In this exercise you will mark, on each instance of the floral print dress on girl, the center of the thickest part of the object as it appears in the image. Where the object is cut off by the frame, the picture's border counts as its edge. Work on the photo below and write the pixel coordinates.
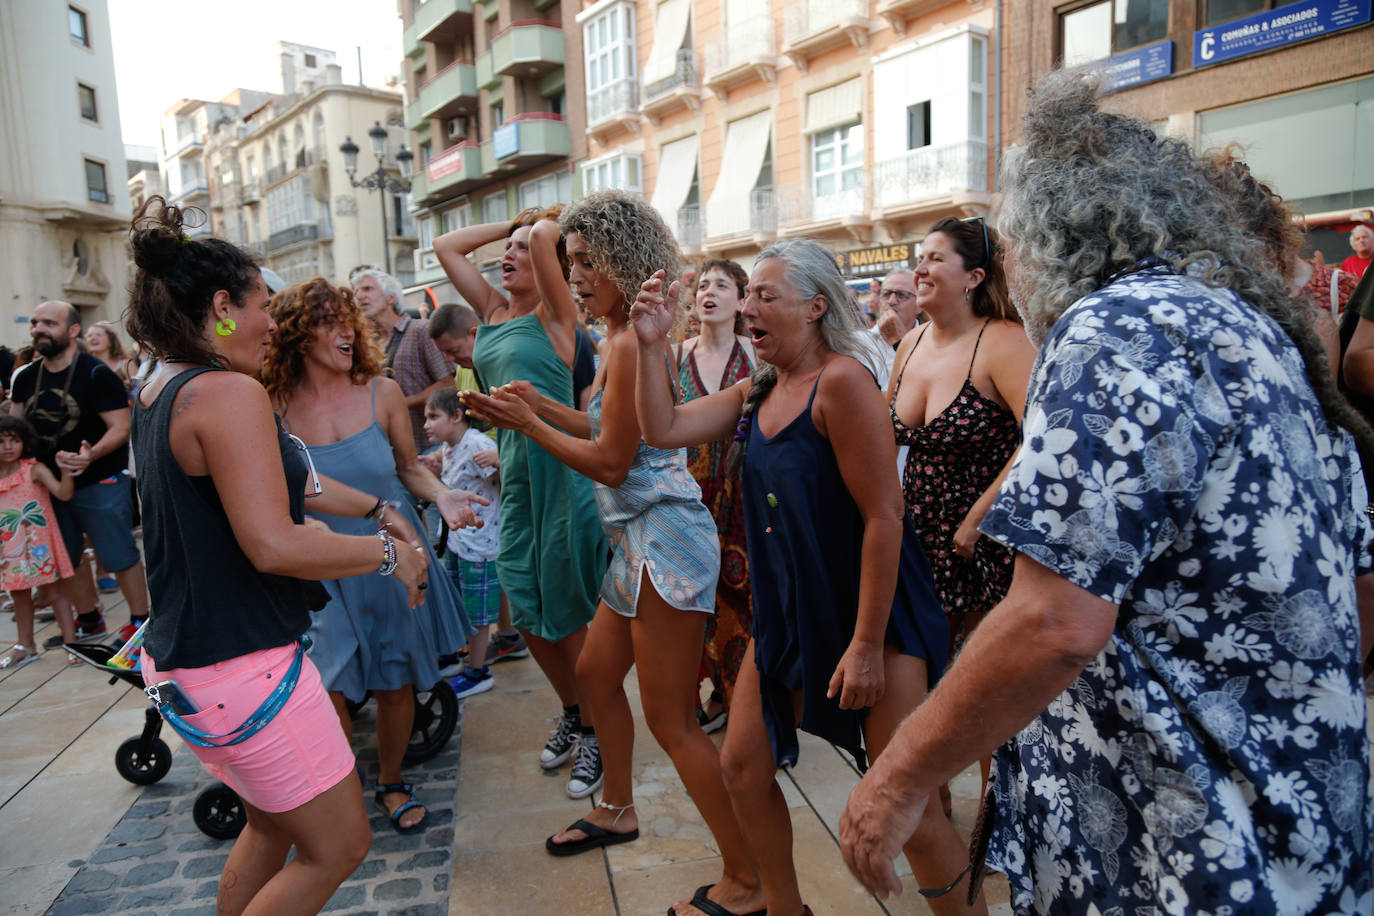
(30, 543)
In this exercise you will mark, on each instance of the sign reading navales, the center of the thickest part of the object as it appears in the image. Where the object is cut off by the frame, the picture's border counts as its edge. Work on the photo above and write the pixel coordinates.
(875, 261)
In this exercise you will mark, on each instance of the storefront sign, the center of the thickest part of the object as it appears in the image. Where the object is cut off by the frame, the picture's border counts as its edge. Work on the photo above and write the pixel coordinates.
(446, 163)
(1276, 28)
(1141, 65)
(875, 261)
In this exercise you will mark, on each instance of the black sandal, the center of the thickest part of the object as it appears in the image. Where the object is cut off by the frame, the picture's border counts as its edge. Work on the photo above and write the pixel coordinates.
(711, 908)
(395, 816)
(596, 837)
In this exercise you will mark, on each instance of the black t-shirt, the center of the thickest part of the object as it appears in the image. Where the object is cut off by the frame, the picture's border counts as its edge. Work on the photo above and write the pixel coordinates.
(69, 421)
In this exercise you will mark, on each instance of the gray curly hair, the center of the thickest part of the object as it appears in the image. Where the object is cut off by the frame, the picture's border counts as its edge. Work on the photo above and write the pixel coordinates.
(1092, 193)
(626, 239)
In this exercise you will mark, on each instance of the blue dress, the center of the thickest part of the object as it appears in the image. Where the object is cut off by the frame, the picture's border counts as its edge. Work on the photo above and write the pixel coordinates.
(366, 637)
(655, 520)
(805, 536)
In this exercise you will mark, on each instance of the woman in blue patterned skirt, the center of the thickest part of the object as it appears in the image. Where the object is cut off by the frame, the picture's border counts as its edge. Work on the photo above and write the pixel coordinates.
(660, 587)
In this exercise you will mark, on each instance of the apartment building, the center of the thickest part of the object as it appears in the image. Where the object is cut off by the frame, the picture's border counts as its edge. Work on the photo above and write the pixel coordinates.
(495, 118)
(64, 206)
(855, 122)
(1292, 83)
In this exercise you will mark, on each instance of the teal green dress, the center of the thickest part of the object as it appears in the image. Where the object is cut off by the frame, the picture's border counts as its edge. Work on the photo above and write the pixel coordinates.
(553, 553)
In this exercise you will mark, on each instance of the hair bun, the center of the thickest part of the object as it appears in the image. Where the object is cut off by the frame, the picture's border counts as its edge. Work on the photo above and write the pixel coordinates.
(156, 236)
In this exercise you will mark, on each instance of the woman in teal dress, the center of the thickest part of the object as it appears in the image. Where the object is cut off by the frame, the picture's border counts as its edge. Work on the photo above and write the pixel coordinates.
(552, 551)
(321, 371)
(660, 588)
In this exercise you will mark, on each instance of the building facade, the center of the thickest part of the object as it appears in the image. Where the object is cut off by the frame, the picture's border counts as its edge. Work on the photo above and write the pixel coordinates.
(496, 118)
(64, 205)
(855, 122)
(1292, 84)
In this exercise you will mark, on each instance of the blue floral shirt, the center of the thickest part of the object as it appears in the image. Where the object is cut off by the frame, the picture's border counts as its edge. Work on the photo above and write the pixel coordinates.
(1213, 757)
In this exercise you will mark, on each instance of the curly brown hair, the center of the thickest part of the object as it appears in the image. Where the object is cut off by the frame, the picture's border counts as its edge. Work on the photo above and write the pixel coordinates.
(298, 310)
(626, 238)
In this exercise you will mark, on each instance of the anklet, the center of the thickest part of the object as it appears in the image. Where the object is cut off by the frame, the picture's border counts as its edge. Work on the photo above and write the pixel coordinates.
(618, 809)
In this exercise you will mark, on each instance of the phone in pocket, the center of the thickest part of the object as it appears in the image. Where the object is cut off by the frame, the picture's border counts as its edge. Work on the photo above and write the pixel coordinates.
(171, 693)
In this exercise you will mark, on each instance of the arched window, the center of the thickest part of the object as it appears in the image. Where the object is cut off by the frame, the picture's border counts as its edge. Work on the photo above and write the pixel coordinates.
(300, 145)
(317, 129)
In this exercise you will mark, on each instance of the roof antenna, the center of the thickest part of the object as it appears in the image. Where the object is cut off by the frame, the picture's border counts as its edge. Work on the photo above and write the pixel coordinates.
(360, 64)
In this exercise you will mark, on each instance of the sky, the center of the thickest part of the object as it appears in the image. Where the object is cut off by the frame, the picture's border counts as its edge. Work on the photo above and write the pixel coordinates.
(166, 50)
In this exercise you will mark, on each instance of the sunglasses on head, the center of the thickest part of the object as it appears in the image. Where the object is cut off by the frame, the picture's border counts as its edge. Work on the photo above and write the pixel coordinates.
(987, 245)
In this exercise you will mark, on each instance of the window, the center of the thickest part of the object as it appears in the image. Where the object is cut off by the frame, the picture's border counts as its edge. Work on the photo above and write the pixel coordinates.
(494, 208)
(498, 115)
(459, 217)
(918, 125)
(1219, 11)
(95, 182)
(977, 89)
(546, 191)
(424, 228)
(76, 24)
(612, 172)
(609, 42)
(426, 153)
(310, 60)
(291, 204)
(557, 103)
(86, 98)
(837, 166)
(1101, 29)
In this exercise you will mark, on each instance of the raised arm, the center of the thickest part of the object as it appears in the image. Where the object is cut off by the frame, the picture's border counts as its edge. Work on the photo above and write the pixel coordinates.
(857, 424)
(452, 250)
(560, 308)
(664, 423)
(607, 458)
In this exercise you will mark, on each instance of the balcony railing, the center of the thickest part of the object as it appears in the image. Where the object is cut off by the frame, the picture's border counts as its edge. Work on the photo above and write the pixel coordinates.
(198, 189)
(429, 16)
(932, 171)
(745, 52)
(800, 205)
(811, 29)
(298, 233)
(190, 143)
(763, 211)
(689, 226)
(451, 91)
(685, 75)
(527, 47)
(617, 99)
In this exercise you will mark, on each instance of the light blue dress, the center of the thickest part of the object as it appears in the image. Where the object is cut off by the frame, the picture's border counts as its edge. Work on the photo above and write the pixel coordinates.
(655, 520)
(366, 637)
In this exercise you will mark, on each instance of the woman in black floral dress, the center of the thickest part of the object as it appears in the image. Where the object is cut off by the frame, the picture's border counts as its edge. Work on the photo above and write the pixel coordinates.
(958, 406)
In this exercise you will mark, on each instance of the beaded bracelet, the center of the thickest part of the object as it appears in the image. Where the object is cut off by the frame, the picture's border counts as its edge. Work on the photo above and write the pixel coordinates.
(388, 553)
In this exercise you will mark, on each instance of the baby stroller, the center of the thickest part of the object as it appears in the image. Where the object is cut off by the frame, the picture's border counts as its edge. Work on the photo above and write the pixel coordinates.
(218, 812)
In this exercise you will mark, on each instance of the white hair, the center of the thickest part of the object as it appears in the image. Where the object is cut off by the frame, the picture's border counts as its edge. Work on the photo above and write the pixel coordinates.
(388, 284)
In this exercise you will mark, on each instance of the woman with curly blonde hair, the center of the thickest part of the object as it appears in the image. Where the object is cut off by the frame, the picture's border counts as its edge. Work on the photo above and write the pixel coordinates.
(322, 373)
(660, 588)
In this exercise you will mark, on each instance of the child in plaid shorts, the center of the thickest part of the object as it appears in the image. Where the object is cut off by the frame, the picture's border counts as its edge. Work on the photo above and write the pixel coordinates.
(469, 458)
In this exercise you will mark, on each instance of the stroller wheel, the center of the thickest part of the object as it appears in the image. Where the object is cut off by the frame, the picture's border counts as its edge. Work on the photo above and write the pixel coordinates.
(219, 813)
(143, 767)
(436, 716)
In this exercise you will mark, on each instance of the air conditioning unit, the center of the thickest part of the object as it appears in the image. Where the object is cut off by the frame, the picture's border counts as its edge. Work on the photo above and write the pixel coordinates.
(457, 127)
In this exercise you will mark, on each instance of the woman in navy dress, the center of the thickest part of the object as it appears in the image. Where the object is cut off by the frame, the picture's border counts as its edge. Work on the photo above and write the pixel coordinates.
(847, 635)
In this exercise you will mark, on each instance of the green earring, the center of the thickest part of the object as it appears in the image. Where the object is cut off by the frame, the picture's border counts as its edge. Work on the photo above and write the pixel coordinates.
(225, 327)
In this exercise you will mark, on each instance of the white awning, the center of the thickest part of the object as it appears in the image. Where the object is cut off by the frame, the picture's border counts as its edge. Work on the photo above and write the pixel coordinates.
(746, 142)
(835, 106)
(677, 164)
(670, 30)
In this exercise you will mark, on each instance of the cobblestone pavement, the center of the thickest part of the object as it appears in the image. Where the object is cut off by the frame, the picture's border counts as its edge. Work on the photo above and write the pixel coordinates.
(155, 862)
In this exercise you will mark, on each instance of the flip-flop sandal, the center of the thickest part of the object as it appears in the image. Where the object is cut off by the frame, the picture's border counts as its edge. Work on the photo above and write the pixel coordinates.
(595, 838)
(395, 816)
(711, 908)
(18, 657)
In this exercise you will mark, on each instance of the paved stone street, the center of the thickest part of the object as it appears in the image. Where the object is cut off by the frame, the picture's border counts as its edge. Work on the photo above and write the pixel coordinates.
(156, 862)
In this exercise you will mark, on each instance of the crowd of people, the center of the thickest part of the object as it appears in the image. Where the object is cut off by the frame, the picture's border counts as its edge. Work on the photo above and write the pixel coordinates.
(1085, 504)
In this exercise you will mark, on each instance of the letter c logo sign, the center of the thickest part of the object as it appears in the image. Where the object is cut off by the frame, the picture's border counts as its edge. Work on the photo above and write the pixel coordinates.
(1207, 49)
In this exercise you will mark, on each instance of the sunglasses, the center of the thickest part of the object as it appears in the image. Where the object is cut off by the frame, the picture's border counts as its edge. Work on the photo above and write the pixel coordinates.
(987, 245)
(315, 488)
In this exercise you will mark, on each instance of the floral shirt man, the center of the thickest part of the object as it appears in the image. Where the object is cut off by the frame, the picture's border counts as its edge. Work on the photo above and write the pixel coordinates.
(1213, 757)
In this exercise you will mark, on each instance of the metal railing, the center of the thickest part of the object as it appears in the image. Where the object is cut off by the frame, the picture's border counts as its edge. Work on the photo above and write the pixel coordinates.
(742, 43)
(763, 210)
(799, 203)
(297, 233)
(685, 74)
(619, 97)
(801, 20)
(932, 171)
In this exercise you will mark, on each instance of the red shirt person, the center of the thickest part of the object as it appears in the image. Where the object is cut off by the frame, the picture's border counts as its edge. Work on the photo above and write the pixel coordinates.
(1362, 241)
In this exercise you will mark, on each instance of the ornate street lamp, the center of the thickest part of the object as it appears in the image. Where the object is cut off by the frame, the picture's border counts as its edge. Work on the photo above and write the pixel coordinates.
(380, 179)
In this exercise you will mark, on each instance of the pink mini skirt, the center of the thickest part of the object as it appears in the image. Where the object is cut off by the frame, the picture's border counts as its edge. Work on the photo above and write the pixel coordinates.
(301, 753)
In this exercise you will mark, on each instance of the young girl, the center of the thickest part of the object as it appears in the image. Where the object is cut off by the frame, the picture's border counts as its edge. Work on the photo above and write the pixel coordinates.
(31, 551)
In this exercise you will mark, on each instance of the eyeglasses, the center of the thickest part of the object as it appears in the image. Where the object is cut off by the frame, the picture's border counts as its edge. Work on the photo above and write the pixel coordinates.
(987, 245)
(315, 488)
(900, 295)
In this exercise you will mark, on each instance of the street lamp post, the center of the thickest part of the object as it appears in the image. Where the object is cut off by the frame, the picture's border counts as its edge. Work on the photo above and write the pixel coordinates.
(380, 179)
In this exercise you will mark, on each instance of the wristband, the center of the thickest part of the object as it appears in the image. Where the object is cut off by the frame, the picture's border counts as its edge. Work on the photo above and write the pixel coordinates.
(388, 553)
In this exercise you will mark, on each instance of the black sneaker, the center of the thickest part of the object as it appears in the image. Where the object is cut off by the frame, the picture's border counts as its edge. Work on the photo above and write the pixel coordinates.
(503, 648)
(585, 776)
(84, 633)
(562, 741)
